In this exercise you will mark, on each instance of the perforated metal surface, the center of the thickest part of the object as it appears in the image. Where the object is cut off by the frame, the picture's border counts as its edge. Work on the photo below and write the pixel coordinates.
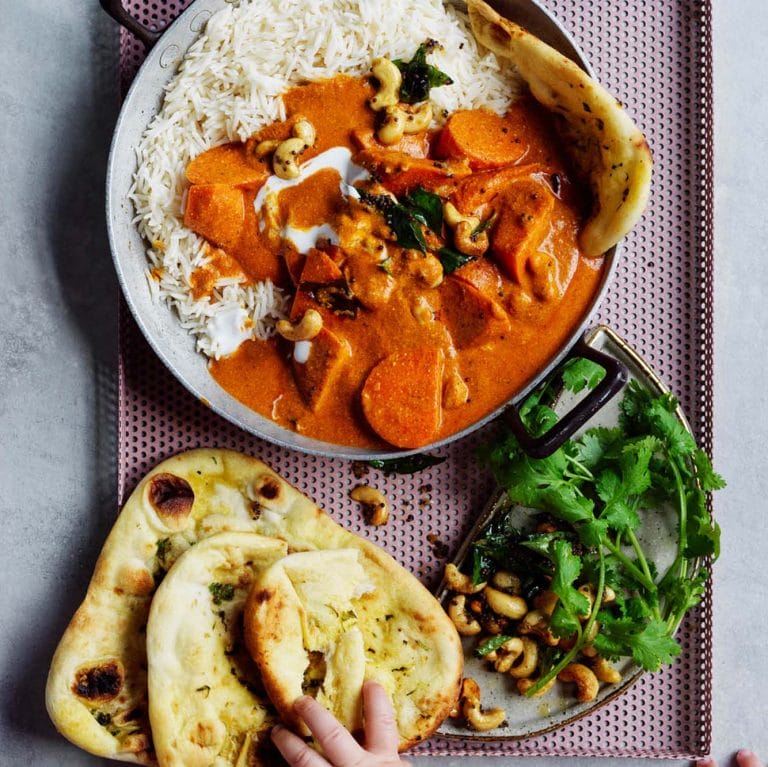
(657, 59)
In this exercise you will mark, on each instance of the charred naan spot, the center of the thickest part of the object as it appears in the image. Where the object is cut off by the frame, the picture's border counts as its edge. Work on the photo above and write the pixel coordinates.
(256, 509)
(171, 496)
(261, 596)
(99, 683)
(269, 488)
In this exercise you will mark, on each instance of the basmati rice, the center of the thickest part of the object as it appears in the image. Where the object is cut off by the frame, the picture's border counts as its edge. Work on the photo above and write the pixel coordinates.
(229, 86)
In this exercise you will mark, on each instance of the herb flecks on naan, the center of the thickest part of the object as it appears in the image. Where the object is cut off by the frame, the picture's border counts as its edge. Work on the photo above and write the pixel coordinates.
(608, 148)
(206, 701)
(97, 686)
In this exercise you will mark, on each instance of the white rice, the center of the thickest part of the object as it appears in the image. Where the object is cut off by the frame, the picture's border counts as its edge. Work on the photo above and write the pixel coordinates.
(229, 86)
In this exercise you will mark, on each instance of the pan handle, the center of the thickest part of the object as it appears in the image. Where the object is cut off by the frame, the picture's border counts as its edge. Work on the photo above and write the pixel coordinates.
(616, 376)
(115, 9)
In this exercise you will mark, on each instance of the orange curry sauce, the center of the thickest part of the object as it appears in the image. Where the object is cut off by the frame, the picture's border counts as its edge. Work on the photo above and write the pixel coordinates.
(425, 354)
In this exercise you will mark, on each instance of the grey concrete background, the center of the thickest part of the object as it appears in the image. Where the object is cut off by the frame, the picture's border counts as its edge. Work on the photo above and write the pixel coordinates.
(58, 103)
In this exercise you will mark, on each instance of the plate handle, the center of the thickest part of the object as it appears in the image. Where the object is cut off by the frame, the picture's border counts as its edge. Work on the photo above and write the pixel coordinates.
(616, 376)
(147, 36)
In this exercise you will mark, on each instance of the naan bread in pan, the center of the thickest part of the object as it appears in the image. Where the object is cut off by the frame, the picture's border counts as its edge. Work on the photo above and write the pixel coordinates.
(605, 145)
(97, 685)
(206, 702)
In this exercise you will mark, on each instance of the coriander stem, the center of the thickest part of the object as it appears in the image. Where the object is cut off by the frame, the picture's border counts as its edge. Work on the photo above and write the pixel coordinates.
(633, 570)
(583, 634)
(682, 535)
(644, 565)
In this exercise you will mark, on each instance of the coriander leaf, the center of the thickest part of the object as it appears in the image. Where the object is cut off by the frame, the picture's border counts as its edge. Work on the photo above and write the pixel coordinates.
(491, 644)
(563, 623)
(452, 259)
(634, 461)
(668, 427)
(567, 569)
(702, 533)
(592, 447)
(681, 595)
(580, 373)
(653, 646)
(706, 475)
(427, 206)
(419, 76)
(593, 533)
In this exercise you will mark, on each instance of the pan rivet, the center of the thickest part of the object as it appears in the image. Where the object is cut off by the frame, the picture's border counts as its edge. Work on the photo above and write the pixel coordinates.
(169, 56)
(199, 21)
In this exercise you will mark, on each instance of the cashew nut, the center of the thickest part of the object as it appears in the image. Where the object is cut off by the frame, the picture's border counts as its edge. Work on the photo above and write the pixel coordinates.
(604, 671)
(535, 622)
(529, 660)
(465, 625)
(546, 601)
(470, 706)
(458, 581)
(398, 121)
(285, 161)
(505, 604)
(390, 80)
(304, 130)
(586, 682)
(506, 581)
(455, 391)
(504, 656)
(263, 148)
(374, 502)
(523, 685)
(392, 127)
(304, 330)
(465, 235)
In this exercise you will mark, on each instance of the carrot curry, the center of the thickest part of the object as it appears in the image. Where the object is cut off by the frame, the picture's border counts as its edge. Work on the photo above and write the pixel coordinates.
(433, 273)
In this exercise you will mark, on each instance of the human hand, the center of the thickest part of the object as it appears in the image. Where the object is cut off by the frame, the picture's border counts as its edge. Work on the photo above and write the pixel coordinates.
(743, 758)
(341, 749)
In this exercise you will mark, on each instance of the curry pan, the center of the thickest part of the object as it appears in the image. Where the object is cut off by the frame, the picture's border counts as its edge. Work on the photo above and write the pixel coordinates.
(176, 348)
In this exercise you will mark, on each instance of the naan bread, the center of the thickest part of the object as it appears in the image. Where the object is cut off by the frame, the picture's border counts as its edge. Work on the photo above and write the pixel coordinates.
(606, 146)
(323, 621)
(206, 702)
(97, 686)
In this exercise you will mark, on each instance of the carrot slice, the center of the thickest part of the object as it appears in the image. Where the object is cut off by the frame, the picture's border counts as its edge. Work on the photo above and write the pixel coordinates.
(227, 164)
(413, 144)
(483, 187)
(216, 212)
(320, 268)
(402, 397)
(472, 319)
(523, 223)
(326, 359)
(400, 173)
(481, 136)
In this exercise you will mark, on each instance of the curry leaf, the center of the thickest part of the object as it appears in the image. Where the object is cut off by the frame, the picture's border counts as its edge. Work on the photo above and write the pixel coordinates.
(419, 76)
(427, 207)
(452, 259)
(408, 465)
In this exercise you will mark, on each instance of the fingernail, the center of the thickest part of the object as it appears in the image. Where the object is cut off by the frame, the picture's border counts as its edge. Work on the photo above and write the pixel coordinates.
(746, 753)
(276, 730)
(301, 702)
(707, 761)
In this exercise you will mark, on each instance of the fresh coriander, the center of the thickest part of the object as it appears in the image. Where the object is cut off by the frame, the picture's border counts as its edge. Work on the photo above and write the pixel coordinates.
(408, 465)
(598, 487)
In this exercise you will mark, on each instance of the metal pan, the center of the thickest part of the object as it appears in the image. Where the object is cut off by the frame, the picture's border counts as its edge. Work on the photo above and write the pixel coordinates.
(175, 347)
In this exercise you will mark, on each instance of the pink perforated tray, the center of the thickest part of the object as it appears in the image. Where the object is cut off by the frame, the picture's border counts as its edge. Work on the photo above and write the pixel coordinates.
(656, 57)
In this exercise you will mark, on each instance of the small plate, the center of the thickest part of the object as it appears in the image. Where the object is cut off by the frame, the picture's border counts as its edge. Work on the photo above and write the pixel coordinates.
(529, 717)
